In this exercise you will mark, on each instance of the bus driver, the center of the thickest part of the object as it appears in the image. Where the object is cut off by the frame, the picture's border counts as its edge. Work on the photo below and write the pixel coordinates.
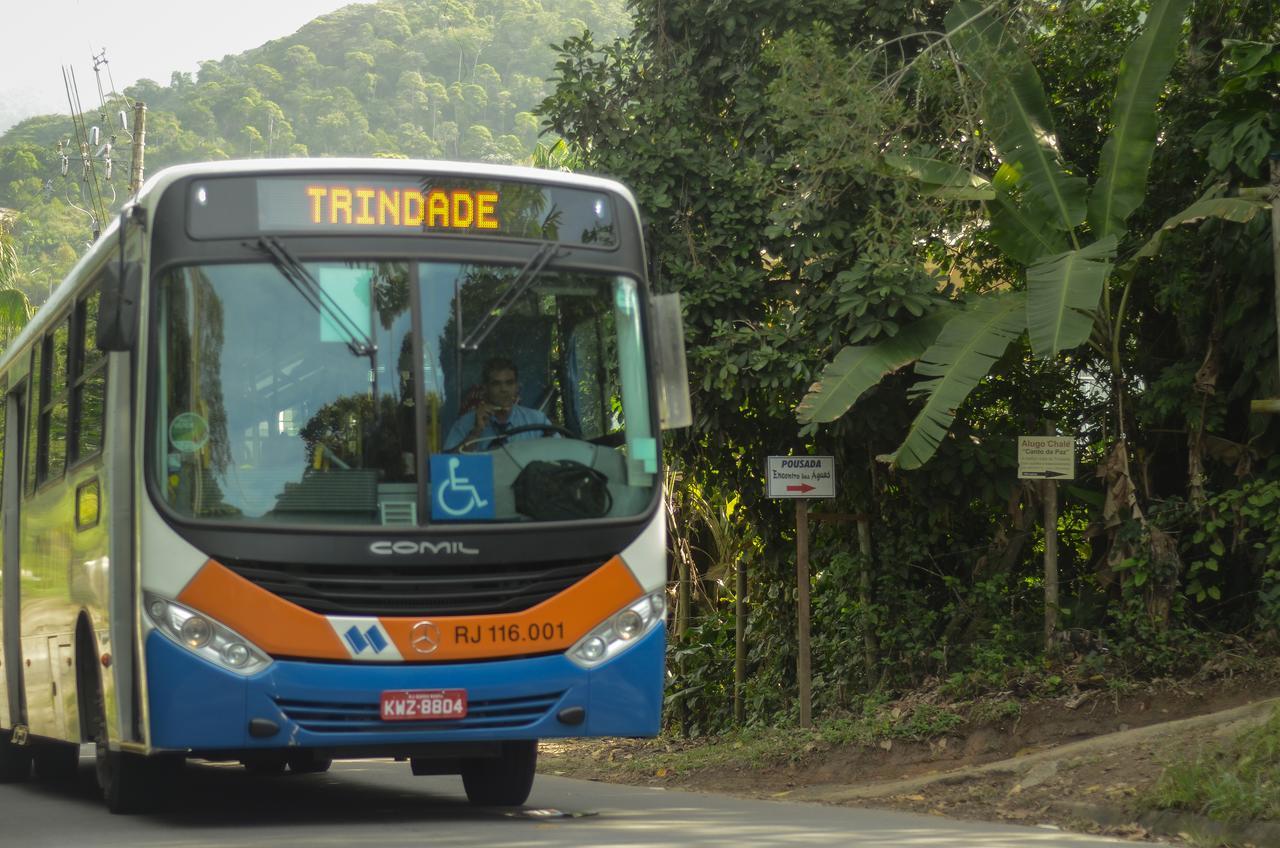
(484, 427)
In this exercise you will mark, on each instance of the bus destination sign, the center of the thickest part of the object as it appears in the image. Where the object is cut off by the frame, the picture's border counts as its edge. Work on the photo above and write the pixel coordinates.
(436, 209)
(378, 204)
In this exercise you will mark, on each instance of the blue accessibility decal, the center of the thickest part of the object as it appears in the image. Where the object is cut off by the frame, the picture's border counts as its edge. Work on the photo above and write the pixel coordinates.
(461, 486)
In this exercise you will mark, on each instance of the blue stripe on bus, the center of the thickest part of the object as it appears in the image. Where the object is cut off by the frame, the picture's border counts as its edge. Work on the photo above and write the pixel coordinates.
(196, 705)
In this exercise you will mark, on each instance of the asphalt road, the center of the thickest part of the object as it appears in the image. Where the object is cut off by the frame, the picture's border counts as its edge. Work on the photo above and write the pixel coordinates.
(380, 804)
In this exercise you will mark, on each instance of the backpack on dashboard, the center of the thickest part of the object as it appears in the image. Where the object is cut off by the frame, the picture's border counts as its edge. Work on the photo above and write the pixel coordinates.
(561, 491)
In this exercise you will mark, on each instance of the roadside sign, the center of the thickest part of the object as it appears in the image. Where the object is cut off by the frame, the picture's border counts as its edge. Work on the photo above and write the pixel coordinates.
(1047, 457)
(800, 477)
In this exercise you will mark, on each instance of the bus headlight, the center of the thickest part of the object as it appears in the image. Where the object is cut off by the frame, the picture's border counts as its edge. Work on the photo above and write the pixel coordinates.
(203, 636)
(620, 630)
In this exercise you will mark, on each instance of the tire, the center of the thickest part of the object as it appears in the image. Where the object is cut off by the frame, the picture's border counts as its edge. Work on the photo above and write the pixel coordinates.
(308, 762)
(56, 761)
(503, 781)
(266, 764)
(128, 781)
(15, 762)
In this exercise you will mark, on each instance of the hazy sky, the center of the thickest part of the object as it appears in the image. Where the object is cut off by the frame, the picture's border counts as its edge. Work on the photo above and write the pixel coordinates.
(143, 38)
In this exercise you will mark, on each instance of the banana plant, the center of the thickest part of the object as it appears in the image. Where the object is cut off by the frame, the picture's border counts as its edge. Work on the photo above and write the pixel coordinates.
(1063, 234)
(15, 308)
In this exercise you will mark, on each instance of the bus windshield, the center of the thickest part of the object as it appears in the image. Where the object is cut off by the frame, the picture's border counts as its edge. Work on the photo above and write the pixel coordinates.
(356, 393)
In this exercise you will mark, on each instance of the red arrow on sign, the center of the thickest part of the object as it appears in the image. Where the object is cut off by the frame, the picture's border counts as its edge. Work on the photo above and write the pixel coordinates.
(802, 488)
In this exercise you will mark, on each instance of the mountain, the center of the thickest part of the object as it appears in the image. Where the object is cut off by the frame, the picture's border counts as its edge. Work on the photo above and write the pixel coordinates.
(452, 79)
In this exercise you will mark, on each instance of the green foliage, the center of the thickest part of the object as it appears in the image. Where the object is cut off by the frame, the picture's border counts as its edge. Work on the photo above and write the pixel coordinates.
(15, 308)
(1016, 113)
(856, 369)
(1062, 290)
(966, 349)
(1032, 195)
(811, 192)
(1246, 125)
(1235, 783)
(1126, 157)
(1239, 544)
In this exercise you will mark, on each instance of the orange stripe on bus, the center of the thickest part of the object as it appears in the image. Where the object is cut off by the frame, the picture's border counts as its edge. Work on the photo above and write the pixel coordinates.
(282, 628)
(551, 626)
(273, 624)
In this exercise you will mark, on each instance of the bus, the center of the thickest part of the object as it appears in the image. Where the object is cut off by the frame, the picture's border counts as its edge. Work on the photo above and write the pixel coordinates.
(317, 459)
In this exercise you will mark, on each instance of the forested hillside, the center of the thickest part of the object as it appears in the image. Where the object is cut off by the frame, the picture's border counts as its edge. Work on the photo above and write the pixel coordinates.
(418, 78)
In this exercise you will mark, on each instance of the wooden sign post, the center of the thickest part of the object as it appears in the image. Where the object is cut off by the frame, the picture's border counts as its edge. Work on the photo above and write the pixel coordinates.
(802, 478)
(1048, 458)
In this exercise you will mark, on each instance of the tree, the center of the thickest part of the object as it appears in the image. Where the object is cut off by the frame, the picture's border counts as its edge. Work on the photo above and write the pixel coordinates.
(1041, 215)
(15, 309)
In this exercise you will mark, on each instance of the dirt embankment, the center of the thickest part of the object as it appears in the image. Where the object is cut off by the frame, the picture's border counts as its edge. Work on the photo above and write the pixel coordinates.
(1082, 761)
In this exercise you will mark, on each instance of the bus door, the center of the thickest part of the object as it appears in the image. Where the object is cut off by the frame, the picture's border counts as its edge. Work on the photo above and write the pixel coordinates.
(11, 498)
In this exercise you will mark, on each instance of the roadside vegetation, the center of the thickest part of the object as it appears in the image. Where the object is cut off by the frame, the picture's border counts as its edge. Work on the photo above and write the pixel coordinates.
(883, 261)
(1236, 783)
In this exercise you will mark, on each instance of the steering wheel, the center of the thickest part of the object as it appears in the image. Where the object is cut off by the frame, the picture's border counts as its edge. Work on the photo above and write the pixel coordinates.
(524, 428)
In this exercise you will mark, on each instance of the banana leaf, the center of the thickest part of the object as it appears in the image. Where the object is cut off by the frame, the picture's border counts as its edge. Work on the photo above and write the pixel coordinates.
(1021, 237)
(857, 368)
(1239, 210)
(1015, 111)
(1061, 291)
(1126, 156)
(15, 312)
(967, 347)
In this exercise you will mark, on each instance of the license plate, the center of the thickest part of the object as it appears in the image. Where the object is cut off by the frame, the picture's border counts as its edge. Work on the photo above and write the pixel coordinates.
(424, 704)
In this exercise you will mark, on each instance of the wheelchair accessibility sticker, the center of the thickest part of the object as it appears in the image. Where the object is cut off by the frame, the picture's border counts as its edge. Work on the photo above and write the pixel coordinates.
(461, 486)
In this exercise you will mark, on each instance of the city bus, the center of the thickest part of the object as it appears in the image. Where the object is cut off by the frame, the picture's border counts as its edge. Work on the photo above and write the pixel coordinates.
(317, 459)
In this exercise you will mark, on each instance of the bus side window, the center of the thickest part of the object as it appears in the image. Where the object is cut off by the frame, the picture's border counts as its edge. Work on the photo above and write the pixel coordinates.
(88, 382)
(33, 416)
(53, 414)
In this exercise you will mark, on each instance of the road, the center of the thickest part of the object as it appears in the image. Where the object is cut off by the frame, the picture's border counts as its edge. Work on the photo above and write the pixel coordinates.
(380, 804)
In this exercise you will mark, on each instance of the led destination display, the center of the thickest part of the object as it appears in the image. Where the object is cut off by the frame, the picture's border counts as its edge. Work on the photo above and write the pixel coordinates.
(357, 204)
(361, 206)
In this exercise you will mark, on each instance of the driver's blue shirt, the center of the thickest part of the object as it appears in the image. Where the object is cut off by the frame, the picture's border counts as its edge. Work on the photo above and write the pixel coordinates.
(521, 416)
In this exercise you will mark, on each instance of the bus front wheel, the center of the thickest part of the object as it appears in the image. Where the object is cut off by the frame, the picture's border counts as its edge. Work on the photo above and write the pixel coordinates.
(502, 781)
(308, 761)
(130, 783)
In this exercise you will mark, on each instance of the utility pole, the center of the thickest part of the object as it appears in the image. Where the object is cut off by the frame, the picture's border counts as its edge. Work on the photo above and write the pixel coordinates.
(139, 147)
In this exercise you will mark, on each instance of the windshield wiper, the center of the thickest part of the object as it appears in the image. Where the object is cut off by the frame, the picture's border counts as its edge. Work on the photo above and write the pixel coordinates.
(518, 286)
(358, 341)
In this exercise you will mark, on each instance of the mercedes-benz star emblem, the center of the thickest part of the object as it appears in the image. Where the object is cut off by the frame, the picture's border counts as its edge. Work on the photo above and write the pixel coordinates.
(425, 637)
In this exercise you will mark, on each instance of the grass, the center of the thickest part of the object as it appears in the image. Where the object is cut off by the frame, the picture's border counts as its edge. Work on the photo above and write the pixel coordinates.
(759, 747)
(1238, 783)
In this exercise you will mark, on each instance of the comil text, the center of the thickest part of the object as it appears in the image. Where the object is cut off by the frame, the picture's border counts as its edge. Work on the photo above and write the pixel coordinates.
(456, 209)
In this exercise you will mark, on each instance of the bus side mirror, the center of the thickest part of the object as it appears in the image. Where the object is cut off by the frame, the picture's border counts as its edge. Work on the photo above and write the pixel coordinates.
(674, 409)
(118, 306)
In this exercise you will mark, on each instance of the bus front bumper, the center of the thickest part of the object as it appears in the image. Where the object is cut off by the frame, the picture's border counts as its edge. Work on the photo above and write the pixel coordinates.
(196, 706)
